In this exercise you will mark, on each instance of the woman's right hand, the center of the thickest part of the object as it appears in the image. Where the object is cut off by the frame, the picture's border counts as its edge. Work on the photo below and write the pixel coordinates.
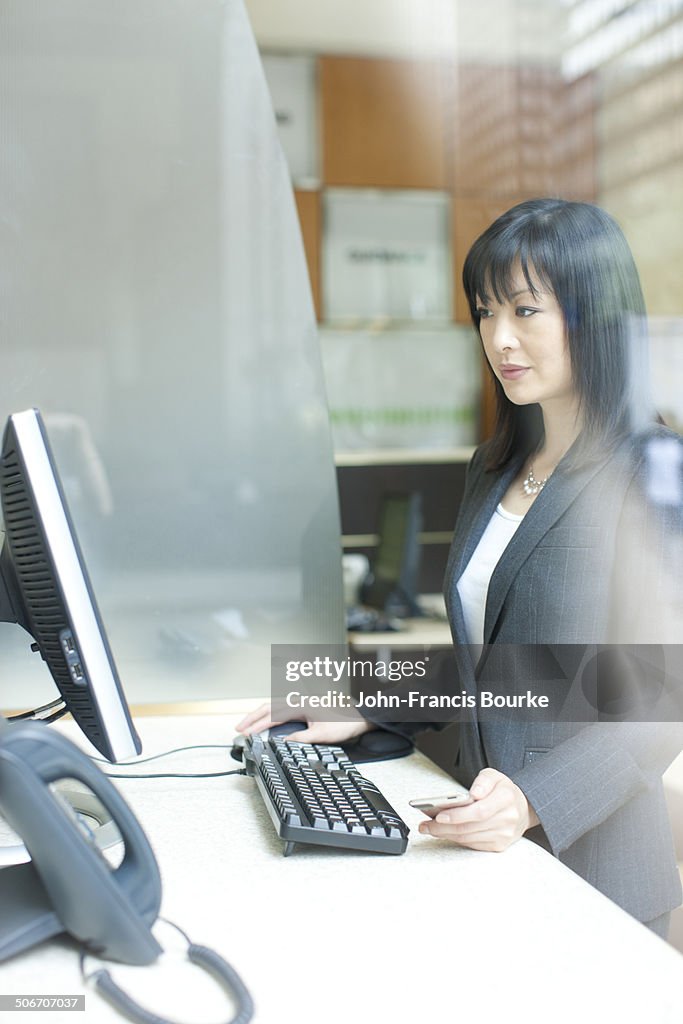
(316, 732)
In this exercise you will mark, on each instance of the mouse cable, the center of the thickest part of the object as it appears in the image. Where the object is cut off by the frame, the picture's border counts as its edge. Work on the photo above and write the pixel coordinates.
(167, 753)
(176, 775)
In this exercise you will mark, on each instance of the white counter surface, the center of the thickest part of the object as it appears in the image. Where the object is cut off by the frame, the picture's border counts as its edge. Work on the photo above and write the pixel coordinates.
(437, 934)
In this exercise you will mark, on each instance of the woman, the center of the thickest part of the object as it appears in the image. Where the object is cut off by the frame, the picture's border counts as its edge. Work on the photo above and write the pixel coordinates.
(560, 545)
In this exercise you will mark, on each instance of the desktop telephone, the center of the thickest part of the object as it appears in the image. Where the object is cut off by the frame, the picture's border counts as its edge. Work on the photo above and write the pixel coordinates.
(69, 886)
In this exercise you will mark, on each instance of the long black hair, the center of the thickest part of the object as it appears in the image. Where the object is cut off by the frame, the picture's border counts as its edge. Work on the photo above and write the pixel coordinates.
(579, 253)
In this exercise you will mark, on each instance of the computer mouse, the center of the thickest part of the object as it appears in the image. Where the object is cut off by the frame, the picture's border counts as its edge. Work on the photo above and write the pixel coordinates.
(287, 728)
(237, 750)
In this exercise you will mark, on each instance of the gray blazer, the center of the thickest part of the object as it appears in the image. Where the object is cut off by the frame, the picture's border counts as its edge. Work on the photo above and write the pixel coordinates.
(591, 563)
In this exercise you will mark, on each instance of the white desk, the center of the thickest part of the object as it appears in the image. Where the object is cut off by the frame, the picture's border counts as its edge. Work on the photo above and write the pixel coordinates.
(438, 934)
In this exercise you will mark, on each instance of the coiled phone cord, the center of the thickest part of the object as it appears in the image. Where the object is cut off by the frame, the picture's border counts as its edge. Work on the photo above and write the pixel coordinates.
(206, 958)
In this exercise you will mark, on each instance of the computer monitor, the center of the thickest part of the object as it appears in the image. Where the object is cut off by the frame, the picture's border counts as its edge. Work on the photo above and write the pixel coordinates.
(44, 587)
(391, 585)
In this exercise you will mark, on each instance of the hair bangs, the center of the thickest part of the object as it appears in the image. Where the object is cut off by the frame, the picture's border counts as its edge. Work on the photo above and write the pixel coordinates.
(491, 270)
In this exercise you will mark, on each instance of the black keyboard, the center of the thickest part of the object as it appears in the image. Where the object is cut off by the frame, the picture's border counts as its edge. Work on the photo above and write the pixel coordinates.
(314, 794)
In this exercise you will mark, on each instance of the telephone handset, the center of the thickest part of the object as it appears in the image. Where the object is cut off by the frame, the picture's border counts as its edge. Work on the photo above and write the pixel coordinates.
(68, 885)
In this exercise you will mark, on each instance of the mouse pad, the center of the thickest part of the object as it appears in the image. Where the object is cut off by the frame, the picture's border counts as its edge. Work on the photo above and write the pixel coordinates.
(378, 745)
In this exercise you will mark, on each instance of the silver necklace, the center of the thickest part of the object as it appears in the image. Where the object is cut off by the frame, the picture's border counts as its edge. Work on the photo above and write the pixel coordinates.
(531, 486)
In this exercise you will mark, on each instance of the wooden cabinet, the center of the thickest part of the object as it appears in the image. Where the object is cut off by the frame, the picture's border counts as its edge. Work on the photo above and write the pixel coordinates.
(383, 122)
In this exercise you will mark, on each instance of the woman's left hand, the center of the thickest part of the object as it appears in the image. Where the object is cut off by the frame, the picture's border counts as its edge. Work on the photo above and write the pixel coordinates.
(499, 816)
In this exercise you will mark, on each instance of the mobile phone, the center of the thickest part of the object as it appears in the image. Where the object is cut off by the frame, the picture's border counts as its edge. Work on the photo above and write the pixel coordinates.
(431, 806)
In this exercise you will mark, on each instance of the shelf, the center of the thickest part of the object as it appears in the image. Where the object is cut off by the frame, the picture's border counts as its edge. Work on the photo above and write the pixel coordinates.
(404, 456)
(371, 540)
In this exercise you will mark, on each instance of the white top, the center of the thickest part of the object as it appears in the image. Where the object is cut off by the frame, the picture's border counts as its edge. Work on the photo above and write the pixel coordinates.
(473, 585)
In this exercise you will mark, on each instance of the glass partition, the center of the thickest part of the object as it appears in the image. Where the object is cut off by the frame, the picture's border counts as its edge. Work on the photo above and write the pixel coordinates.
(155, 307)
